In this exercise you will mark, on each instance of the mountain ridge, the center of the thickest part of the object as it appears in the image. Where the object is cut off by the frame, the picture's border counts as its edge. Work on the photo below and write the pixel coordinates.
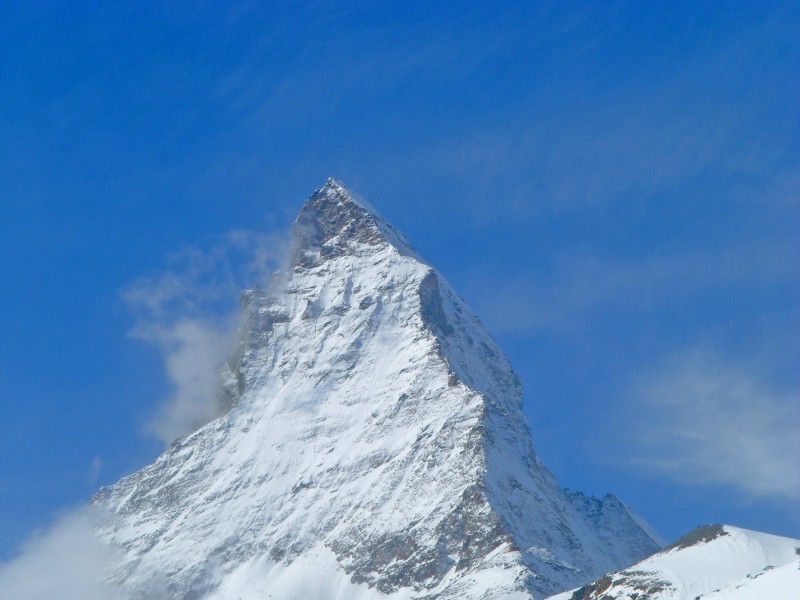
(710, 562)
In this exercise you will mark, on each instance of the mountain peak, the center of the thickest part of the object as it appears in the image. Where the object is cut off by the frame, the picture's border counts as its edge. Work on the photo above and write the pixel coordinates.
(334, 188)
(374, 442)
(702, 534)
(336, 221)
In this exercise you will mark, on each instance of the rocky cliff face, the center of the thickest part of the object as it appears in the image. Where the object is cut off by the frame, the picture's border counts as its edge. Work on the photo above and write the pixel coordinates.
(375, 445)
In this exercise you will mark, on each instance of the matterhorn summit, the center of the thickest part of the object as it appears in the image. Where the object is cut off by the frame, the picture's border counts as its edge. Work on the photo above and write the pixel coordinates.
(374, 446)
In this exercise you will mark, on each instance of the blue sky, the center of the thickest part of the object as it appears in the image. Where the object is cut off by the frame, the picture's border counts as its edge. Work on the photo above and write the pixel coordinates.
(614, 187)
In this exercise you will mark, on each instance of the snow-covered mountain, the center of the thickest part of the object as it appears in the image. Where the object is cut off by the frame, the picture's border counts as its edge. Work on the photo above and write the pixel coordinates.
(713, 562)
(375, 445)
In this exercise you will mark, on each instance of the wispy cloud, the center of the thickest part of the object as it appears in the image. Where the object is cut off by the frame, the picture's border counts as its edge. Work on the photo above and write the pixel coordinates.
(577, 288)
(67, 561)
(703, 419)
(190, 312)
(95, 468)
(696, 133)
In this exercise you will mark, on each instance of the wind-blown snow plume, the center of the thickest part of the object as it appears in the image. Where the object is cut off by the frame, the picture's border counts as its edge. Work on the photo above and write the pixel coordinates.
(189, 313)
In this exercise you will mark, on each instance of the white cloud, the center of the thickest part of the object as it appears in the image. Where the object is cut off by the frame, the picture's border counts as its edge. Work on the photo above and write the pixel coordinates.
(193, 351)
(68, 562)
(190, 314)
(701, 419)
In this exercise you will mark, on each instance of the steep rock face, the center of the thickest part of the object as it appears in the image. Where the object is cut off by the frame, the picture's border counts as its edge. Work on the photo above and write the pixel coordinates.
(375, 444)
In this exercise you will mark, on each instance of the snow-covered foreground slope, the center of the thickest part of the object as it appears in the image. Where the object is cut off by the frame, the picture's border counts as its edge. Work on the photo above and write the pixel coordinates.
(375, 445)
(712, 562)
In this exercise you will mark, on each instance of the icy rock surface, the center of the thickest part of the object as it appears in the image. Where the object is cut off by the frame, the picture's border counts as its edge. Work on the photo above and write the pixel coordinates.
(710, 562)
(375, 445)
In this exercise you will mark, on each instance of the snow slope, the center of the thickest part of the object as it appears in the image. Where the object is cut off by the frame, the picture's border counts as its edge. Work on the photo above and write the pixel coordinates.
(375, 446)
(712, 562)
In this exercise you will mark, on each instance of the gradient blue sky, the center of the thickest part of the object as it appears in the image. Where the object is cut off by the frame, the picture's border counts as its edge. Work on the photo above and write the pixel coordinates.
(612, 186)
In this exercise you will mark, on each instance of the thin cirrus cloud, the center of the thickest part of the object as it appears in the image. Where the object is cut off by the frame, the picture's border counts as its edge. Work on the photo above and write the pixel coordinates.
(703, 419)
(190, 314)
(579, 287)
(697, 134)
(622, 148)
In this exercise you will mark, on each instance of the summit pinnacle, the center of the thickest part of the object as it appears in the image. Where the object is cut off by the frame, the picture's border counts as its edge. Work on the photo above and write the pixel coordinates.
(334, 221)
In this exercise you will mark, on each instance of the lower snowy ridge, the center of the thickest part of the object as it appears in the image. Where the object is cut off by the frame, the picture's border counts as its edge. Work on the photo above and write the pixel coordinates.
(711, 562)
